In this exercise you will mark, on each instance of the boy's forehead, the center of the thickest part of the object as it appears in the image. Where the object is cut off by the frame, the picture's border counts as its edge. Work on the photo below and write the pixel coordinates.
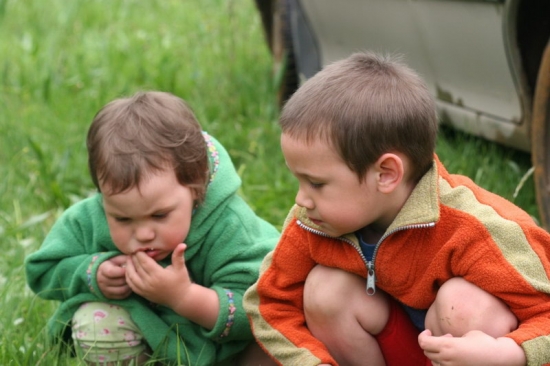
(307, 149)
(308, 139)
(312, 148)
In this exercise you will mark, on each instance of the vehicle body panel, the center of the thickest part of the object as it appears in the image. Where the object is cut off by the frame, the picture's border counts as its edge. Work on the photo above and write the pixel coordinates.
(458, 47)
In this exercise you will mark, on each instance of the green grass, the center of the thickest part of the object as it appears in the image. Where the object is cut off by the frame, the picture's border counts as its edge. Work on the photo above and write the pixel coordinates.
(60, 61)
(501, 170)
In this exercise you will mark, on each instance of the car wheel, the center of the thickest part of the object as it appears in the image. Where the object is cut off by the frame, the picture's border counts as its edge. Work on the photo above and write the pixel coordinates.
(284, 60)
(540, 138)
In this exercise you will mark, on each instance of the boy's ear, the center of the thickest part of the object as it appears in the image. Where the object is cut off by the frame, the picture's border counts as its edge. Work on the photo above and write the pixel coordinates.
(390, 170)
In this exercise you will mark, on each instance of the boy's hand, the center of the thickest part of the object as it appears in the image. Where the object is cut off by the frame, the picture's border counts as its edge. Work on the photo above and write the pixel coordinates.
(160, 285)
(472, 349)
(111, 278)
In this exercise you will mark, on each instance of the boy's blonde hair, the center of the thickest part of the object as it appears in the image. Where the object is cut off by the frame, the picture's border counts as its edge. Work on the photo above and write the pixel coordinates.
(366, 105)
(133, 137)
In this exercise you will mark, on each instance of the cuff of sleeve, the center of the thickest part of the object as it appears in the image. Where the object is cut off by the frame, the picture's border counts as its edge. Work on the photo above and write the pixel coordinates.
(91, 271)
(232, 323)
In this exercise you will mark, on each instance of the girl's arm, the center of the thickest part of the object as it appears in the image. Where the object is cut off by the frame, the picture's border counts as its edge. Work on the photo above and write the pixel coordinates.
(67, 261)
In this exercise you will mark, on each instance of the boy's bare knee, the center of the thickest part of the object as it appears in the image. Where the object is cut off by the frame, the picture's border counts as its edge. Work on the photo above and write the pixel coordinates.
(325, 290)
(340, 314)
(460, 306)
(334, 298)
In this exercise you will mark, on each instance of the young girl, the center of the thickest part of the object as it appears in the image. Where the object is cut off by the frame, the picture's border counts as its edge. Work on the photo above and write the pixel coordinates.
(154, 265)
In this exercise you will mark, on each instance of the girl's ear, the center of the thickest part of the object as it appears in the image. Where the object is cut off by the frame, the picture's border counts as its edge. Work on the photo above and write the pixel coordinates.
(390, 169)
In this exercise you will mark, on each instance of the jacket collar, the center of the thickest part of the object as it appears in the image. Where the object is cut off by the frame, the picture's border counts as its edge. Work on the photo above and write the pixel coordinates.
(422, 206)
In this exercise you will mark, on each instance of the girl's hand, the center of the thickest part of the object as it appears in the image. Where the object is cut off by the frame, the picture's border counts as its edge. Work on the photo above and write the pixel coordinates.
(172, 287)
(159, 285)
(111, 278)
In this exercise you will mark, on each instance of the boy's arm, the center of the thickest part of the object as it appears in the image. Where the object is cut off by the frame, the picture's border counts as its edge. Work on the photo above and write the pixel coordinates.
(500, 249)
(528, 344)
(275, 303)
(522, 282)
(514, 271)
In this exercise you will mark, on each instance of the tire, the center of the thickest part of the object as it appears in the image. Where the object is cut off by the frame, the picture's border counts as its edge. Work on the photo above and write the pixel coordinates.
(540, 138)
(266, 9)
(284, 59)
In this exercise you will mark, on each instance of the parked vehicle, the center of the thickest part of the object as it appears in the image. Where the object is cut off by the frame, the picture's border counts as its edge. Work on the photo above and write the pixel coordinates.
(487, 62)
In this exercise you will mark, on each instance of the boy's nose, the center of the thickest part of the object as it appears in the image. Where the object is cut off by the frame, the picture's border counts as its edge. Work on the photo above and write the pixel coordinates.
(303, 200)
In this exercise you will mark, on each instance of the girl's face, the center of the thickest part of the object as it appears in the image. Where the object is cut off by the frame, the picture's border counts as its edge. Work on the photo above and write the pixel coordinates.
(154, 217)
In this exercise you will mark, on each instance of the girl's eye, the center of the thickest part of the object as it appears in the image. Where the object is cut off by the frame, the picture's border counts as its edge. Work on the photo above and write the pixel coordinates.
(122, 219)
(159, 216)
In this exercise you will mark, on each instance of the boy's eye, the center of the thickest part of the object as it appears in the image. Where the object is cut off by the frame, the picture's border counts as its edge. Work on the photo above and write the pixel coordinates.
(159, 215)
(122, 219)
(315, 185)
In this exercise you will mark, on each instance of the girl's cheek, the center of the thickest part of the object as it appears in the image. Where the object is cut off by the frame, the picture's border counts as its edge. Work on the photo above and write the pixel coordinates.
(120, 238)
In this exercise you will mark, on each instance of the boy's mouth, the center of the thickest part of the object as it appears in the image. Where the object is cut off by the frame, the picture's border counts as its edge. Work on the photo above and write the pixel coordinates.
(316, 222)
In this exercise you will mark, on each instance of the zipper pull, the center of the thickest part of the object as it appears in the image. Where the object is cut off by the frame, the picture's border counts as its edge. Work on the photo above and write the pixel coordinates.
(371, 279)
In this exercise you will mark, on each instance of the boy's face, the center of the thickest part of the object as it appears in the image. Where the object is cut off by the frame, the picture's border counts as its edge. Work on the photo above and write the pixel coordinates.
(154, 218)
(331, 192)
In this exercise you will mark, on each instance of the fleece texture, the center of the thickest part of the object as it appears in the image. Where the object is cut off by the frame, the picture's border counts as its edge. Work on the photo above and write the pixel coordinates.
(225, 246)
(448, 227)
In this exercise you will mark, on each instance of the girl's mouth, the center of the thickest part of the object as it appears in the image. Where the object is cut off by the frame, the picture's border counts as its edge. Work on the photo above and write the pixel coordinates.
(151, 252)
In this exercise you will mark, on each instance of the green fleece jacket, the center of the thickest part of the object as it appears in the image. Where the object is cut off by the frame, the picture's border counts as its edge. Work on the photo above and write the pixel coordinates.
(225, 246)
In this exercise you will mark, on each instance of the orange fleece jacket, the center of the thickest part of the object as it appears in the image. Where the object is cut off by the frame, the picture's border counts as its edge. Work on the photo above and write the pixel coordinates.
(449, 227)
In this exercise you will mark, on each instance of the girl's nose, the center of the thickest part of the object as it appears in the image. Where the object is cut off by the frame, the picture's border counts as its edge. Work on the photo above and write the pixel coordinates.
(144, 234)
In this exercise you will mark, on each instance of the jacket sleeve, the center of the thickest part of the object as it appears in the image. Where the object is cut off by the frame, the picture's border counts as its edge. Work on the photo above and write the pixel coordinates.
(66, 263)
(525, 286)
(274, 303)
(505, 253)
(234, 249)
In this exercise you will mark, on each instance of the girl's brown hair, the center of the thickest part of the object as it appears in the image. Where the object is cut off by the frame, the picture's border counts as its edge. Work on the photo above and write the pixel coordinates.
(132, 137)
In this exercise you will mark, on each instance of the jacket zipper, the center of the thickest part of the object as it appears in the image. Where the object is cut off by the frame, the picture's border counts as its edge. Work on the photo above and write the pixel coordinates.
(371, 275)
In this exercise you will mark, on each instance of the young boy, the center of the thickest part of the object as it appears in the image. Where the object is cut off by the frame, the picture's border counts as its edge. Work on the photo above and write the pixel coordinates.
(383, 243)
(157, 262)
